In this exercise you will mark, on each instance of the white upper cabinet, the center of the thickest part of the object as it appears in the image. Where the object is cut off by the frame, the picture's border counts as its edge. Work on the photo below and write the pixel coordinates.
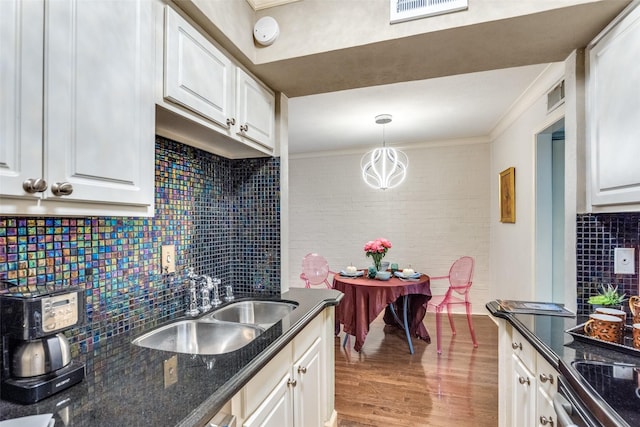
(204, 99)
(94, 109)
(613, 108)
(255, 110)
(197, 75)
(21, 97)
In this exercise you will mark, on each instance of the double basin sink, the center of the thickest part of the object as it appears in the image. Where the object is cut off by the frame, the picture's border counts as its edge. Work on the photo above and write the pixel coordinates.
(222, 331)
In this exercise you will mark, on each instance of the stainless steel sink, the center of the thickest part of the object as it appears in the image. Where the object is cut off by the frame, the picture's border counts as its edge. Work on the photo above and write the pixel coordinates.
(197, 337)
(259, 313)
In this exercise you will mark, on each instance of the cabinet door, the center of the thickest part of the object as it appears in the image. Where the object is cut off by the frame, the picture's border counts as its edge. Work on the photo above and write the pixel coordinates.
(255, 110)
(524, 395)
(545, 414)
(276, 410)
(99, 110)
(21, 32)
(308, 394)
(614, 113)
(197, 75)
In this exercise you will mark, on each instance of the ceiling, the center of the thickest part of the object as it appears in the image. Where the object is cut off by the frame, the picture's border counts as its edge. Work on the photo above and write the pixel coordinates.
(439, 109)
(439, 86)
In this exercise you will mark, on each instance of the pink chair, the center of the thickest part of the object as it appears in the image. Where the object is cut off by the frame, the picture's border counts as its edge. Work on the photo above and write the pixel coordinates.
(460, 280)
(315, 270)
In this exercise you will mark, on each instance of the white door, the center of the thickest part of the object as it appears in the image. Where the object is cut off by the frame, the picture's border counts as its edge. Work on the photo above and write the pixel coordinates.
(276, 410)
(21, 32)
(197, 75)
(308, 393)
(524, 394)
(255, 110)
(99, 109)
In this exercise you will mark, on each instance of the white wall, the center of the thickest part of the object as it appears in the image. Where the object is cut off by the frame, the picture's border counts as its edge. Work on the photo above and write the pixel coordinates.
(441, 212)
(512, 263)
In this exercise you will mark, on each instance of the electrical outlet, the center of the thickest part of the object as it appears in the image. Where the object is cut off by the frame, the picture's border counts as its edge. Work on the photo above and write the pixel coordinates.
(168, 255)
(623, 261)
(170, 367)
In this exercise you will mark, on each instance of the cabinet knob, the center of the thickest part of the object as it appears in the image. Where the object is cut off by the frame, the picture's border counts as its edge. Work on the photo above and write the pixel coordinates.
(516, 345)
(32, 186)
(544, 421)
(302, 370)
(244, 127)
(231, 122)
(523, 380)
(292, 383)
(62, 188)
(544, 378)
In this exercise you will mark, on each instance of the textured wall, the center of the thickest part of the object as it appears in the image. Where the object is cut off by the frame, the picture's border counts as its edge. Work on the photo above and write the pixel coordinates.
(598, 236)
(222, 215)
(441, 212)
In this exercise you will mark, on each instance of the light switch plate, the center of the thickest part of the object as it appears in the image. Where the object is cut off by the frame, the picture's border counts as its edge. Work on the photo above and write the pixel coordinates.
(168, 255)
(623, 260)
(170, 367)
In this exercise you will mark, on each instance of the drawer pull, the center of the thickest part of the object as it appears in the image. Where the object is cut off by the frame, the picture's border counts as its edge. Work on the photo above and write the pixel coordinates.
(302, 370)
(544, 378)
(244, 128)
(523, 380)
(516, 345)
(544, 421)
(231, 122)
(292, 383)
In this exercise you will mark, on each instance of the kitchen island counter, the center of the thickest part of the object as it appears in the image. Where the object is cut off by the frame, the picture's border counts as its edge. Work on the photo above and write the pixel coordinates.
(125, 386)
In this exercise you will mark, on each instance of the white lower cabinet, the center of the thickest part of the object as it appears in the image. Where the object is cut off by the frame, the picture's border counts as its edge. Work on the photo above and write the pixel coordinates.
(295, 389)
(524, 395)
(527, 382)
(277, 409)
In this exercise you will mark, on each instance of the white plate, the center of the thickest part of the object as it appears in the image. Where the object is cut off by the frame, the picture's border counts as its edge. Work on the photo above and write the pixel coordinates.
(356, 274)
(415, 275)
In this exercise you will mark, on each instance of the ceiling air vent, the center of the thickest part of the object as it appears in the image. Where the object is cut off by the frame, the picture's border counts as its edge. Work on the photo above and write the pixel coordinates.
(406, 10)
(555, 97)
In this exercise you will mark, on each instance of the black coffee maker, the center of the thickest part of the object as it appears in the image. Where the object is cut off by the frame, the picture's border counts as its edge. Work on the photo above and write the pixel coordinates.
(36, 357)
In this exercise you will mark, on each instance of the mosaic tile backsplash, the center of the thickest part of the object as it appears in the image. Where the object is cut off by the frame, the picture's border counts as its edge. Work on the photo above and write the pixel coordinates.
(223, 216)
(597, 237)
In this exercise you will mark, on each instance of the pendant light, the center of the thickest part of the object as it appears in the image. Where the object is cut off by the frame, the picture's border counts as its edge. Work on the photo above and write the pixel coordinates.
(384, 167)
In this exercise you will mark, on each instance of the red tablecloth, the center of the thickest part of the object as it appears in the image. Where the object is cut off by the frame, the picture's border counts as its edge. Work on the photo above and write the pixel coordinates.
(364, 299)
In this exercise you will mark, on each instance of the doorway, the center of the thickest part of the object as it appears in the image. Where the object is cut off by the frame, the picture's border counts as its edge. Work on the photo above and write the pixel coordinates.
(549, 234)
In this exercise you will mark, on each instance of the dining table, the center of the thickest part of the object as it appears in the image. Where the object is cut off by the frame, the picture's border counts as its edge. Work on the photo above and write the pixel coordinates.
(365, 298)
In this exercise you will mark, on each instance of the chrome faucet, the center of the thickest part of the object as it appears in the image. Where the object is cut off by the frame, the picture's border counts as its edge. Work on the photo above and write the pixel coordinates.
(207, 285)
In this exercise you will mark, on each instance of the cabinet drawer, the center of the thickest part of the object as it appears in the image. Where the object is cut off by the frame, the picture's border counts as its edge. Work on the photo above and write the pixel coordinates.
(547, 376)
(524, 350)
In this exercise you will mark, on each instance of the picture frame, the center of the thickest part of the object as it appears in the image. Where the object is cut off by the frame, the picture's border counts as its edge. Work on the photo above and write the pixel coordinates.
(508, 195)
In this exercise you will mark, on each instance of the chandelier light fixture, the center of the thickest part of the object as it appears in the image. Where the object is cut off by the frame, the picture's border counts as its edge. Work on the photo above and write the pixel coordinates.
(384, 167)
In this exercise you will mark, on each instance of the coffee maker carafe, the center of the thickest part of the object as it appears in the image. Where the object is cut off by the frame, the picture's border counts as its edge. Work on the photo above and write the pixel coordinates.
(36, 354)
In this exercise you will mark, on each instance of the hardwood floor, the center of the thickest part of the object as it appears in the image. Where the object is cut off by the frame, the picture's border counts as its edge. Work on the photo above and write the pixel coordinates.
(384, 385)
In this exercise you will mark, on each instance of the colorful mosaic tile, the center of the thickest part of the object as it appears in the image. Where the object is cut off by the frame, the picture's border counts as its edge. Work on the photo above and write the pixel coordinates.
(597, 237)
(223, 216)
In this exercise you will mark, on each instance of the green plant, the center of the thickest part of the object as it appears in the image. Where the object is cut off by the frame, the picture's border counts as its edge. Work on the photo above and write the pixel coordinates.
(608, 296)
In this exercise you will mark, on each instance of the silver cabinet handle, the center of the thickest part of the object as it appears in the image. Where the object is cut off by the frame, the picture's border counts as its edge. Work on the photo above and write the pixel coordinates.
(62, 188)
(544, 378)
(516, 345)
(292, 383)
(244, 127)
(544, 420)
(302, 370)
(32, 186)
(523, 380)
(231, 122)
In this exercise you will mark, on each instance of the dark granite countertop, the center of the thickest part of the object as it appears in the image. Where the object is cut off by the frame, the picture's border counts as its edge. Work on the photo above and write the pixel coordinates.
(547, 334)
(124, 385)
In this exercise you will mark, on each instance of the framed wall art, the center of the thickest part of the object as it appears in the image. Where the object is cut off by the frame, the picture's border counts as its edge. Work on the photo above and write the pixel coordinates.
(508, 195)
